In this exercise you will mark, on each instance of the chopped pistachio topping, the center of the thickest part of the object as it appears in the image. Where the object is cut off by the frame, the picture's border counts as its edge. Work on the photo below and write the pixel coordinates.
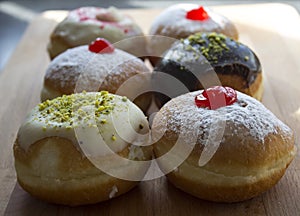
(69, 108)
(211, 45)
(141, 126)
(246, 58)
(124, 99)
(113, 137)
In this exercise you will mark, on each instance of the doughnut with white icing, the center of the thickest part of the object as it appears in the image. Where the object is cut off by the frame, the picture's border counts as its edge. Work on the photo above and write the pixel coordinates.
(85, 24)
(82, 69)
(68, 149)
(174, 23)
(238, 151)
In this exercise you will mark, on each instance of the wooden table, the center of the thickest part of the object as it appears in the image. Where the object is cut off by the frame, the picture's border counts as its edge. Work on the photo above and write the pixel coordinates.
(272, 30)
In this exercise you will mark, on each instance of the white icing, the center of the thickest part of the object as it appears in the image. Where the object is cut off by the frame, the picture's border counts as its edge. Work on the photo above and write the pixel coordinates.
(245, 118)
(111, 24)
(37, 126)
(173, 24)
(113, 192)
(100, 16)
(88, 70)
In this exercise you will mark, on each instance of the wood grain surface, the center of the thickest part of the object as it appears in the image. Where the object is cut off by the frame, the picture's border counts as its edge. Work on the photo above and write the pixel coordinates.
(271, 30)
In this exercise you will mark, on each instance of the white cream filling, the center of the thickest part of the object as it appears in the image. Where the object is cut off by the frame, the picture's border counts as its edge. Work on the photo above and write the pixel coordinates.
(113, 192)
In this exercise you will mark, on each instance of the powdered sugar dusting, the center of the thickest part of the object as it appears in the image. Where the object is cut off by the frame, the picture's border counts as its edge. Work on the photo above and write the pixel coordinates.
(89, 69)
(174, 17)
(172, 23)
(247, 117)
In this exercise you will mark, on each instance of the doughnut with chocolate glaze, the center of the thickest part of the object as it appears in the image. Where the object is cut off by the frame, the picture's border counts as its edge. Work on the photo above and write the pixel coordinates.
(83, 68)
(197, 57)
(85, 24)
(238, 151)
(60, 158)
(180, 21)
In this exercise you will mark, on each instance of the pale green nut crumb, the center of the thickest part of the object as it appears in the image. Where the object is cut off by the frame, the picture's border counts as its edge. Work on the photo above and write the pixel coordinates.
(113, 137)
(66, 108)
(211, 44)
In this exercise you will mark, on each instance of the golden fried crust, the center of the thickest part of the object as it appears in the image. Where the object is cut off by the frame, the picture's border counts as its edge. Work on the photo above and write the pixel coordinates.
(112, 82)
(58, 45)
(250, 154)
(236, 172)
(54, 170)
(223, 193)
(242, 167)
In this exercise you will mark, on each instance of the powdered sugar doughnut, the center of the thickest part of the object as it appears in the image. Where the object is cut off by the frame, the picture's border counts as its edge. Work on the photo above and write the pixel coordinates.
(239, 150)
(80, 69)
(181, 20)
(85, 24)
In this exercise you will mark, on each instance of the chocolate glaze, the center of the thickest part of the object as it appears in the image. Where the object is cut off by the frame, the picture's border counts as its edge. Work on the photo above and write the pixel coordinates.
(193, 60)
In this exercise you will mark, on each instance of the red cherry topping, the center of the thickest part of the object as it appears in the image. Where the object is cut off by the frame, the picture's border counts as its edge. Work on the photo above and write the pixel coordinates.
(100, 45)
(197, 14)
(216, 97)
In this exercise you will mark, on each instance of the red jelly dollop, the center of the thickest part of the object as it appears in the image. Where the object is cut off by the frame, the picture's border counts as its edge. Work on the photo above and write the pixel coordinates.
(197, 14)
(100, 45)
(216, 97)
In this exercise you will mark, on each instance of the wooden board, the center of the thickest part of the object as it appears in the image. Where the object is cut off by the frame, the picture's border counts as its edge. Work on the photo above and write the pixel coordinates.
(272, 30)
